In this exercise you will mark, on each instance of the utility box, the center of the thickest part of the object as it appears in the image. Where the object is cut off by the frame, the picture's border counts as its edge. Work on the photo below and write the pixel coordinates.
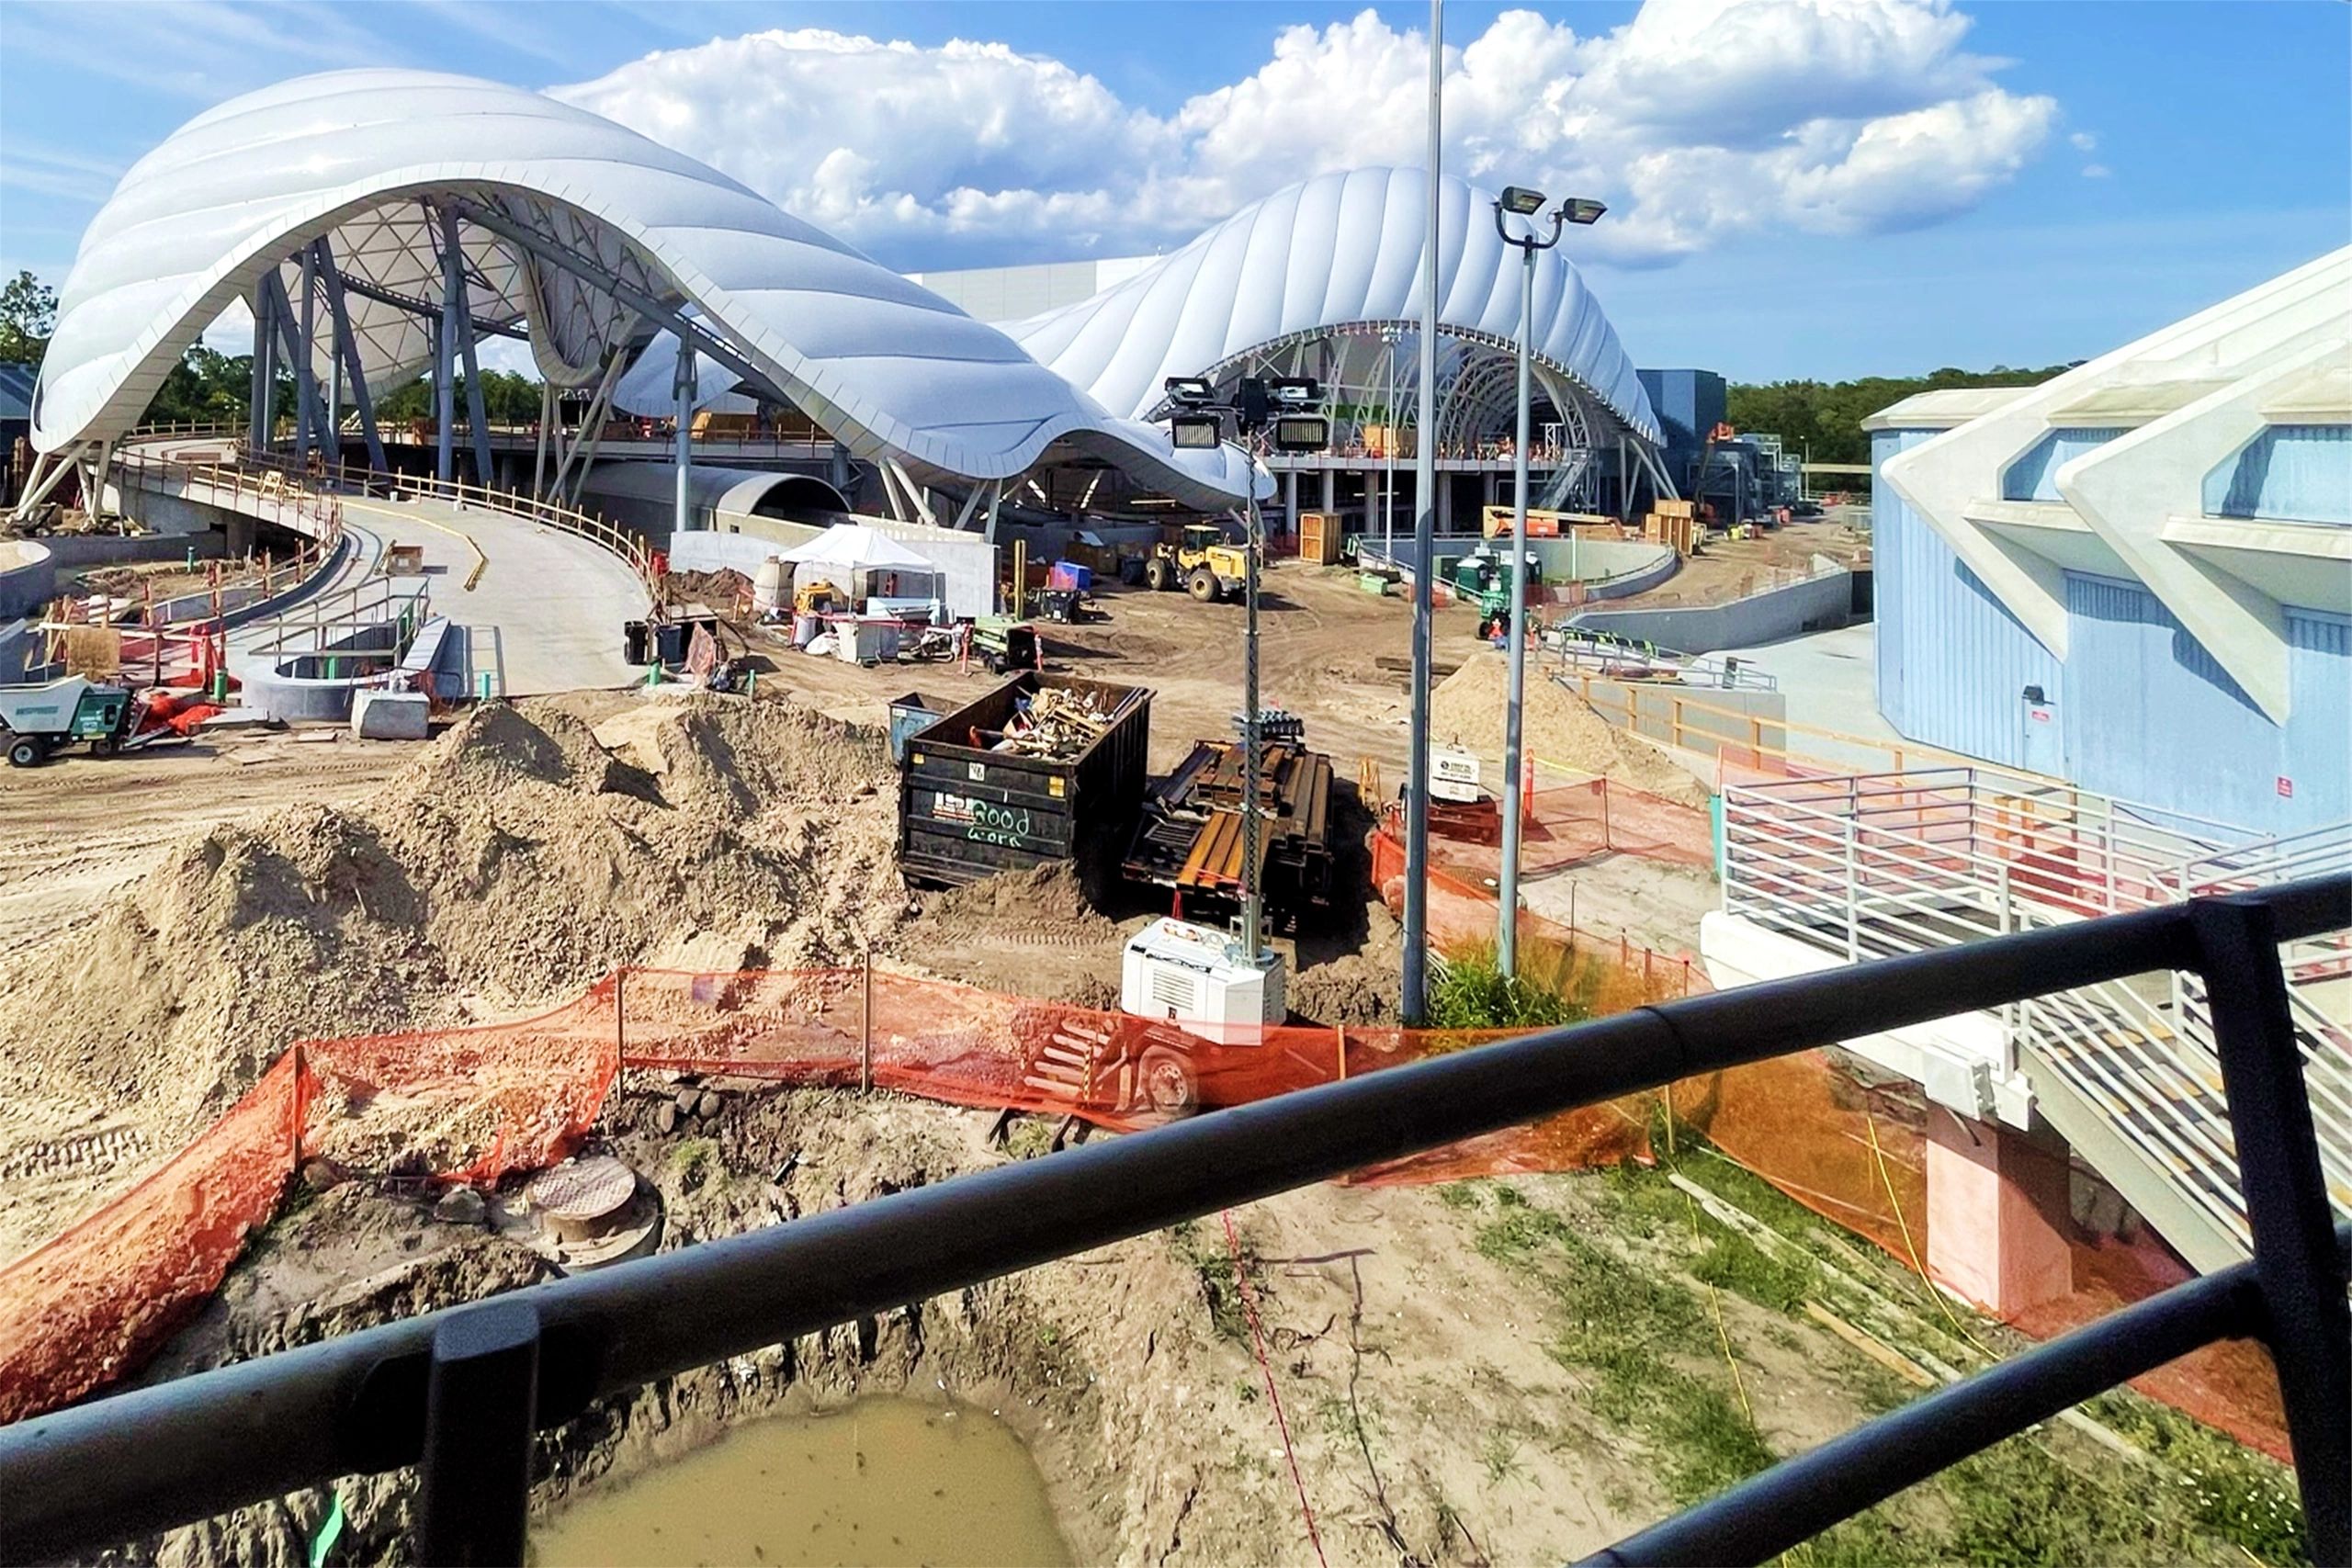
(1453, 775)
(1200, 980)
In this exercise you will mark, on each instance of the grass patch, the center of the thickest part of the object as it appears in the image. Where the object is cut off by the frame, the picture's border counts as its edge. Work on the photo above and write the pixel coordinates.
(1553, 988)
(694, 1160)
(1624, 1327)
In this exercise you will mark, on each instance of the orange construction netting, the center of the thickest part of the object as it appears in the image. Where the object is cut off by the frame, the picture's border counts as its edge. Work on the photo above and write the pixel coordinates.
(469, 1105)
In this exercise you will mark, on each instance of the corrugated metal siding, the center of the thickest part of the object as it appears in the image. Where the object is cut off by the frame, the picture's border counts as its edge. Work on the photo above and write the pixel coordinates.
(2319, 727)
(2034, 476)
(1952, 663)
(2153, 718)
(2302, 473)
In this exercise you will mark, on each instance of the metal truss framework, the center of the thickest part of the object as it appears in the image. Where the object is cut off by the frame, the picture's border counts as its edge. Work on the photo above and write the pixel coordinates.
(1370, 379)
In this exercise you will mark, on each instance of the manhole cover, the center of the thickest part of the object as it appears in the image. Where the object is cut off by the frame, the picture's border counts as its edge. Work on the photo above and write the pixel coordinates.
(581, 1191)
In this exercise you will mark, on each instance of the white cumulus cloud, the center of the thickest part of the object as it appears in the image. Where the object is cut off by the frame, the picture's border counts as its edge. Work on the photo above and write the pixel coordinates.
(1698, 122)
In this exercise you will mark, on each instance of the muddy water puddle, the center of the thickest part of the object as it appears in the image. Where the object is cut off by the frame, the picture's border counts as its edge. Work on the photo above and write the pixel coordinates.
(885, 1482)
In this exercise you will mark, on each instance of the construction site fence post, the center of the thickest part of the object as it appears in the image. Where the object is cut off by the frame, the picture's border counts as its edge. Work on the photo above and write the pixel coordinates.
(865, 1027)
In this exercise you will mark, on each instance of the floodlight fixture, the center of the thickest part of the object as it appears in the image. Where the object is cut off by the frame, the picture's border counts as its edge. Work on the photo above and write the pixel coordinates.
(1582, 209)
(1520, 201)
(1295, 391)
(1189, 391)
(1302, 433)
(1195, 432)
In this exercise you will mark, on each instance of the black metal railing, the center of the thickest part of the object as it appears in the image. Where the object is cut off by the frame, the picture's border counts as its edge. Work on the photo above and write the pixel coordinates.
(461, 1391)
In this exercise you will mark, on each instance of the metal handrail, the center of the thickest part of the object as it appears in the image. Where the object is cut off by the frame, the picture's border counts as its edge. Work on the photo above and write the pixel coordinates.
(594, 530)
(1834, 877)
(463, 1389)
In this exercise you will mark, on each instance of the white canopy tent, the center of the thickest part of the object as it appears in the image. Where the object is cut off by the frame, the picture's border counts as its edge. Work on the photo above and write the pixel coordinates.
(863, 564)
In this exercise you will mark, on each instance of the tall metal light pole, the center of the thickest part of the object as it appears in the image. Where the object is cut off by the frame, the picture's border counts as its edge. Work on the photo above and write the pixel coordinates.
(1416, 765)
(1518, 201)
(1253, 893)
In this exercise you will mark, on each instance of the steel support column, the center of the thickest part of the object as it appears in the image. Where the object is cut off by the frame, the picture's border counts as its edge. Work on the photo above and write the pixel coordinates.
(346, 344)
(285, 339)
(306, 378)
(445, 351)
(458, 318)
(682, 388)
(257, 403)
(547, 405)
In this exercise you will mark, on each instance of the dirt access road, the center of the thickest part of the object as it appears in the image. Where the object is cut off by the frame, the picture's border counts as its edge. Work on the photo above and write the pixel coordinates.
(1329, 652)
(79, 827)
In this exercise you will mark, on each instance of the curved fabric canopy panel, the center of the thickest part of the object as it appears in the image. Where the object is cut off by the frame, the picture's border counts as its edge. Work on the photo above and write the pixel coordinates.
(368, 158)
(1340, 249)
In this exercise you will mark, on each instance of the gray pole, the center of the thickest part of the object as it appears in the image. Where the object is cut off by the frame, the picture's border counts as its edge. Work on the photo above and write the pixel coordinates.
(306, 390)
(445, 348)
(257, 431)
(1253, 895)
(684, 386)
(1507, 938)
(1417, 766)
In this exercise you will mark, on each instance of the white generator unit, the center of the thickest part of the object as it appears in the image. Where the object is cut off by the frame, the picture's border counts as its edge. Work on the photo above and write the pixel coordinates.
(1200, 980)
(1453, 775)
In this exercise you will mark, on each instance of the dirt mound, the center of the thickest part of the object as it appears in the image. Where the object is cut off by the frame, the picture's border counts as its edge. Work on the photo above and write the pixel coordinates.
(513, 861)
(1467, 710)
(1362, 987)
(1040, 892)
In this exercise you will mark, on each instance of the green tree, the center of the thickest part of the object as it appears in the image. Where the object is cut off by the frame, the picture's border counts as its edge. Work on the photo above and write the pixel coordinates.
(1827, 416)
(27, 315)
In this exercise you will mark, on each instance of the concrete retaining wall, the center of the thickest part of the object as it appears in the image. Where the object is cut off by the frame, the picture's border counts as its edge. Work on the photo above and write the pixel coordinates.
(171, 514)
(28, 578)
(1819, 603)
(297, 688)
(74, 551)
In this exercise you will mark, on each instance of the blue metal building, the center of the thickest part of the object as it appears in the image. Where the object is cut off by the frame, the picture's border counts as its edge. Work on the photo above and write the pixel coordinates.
(2138, 576)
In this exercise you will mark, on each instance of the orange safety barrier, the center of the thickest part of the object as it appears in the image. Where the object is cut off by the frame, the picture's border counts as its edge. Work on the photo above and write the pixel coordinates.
(83, 1310)
(469, 1105)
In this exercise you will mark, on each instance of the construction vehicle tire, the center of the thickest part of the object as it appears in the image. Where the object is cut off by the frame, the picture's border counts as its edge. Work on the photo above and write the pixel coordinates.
(1201, 585)
(1164, 1086)
(26, 752)
(1159, 574)
(105, 746)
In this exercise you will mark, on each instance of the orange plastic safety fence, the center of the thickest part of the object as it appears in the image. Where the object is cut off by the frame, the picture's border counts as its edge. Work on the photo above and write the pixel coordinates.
(83, 1310)
(464, 1105)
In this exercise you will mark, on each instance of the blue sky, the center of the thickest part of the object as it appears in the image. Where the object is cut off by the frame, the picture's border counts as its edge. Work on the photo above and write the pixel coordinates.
(1794, 192)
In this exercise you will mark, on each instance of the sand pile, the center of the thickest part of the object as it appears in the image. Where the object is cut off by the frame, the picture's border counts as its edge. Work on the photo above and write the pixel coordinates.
(1467, 710)
(515, 861)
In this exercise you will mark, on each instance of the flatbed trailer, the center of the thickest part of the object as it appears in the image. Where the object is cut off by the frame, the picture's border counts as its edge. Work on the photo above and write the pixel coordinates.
(1188, 839)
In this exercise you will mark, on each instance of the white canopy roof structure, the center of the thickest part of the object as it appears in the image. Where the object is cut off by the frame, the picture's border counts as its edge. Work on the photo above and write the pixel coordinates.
(852, 546)
(1340, 250)
(649, 388)
(573, 231)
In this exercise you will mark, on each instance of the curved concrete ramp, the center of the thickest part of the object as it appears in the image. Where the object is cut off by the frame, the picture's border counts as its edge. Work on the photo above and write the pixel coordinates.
(545, 613)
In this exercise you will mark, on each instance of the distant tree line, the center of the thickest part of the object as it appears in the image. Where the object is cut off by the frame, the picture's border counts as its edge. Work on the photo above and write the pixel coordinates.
(1828, 414)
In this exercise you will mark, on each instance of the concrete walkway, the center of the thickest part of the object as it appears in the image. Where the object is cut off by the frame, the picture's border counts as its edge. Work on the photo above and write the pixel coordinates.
(545, 614)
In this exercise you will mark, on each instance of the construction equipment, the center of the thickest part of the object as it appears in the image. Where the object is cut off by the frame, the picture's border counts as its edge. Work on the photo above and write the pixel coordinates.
(1004, 644)
(38, 719)
(1209, 566)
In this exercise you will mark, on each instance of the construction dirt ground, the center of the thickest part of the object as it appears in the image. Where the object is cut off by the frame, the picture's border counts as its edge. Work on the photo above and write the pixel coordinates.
(1489, 1372)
